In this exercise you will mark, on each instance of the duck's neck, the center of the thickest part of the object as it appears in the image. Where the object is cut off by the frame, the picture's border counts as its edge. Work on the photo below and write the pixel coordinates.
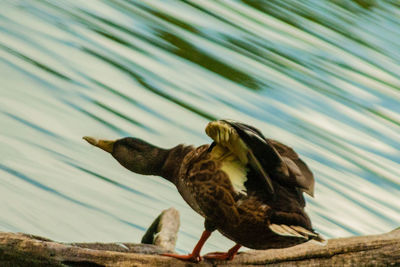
(173, 161)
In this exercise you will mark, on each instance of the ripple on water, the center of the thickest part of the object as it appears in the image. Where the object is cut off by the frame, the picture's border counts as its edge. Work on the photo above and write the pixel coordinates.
(321, 76)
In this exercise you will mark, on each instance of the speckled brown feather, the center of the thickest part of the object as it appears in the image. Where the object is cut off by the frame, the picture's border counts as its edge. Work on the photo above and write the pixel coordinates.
(206, 188)
(257, 218)
(214, 192)
(244, 219)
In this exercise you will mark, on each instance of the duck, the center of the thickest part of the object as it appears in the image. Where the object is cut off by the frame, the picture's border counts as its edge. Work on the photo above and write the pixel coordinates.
(246, 186)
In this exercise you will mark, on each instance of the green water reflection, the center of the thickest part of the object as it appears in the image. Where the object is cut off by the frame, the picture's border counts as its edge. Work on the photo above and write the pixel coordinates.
(321, 76)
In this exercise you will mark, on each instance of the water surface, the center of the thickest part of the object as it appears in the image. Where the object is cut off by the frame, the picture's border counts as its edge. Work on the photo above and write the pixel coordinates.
(320, 76)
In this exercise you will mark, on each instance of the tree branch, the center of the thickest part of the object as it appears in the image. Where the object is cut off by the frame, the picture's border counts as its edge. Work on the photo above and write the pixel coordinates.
(18, 249)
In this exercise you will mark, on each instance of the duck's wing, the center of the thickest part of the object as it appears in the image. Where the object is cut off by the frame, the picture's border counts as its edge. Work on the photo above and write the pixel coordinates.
(267, 157)
(248, 145)
(303, 176)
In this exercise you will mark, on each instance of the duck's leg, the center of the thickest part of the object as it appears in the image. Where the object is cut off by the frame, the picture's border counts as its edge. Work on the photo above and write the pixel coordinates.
(223, 255)
(195, 255)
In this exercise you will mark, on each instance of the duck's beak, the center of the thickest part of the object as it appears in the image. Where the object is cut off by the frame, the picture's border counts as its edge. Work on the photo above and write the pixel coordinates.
(106, 145)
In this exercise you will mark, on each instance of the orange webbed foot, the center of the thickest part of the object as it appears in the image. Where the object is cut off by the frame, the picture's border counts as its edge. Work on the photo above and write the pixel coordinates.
(189, 257)
(223, 255)
(195, 255)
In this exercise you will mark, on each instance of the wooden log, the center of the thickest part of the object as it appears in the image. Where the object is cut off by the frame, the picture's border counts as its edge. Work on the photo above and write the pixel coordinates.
(18, 249)
(373, 250)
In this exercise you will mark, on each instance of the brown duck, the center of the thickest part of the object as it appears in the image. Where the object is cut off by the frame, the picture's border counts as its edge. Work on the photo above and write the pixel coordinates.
(246, 186)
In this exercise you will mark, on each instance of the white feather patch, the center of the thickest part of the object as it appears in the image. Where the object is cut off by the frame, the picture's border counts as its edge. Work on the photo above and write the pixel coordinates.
(236, 172)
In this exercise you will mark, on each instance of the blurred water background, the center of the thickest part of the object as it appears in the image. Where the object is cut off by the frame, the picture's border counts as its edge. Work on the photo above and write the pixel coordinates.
(320, 76)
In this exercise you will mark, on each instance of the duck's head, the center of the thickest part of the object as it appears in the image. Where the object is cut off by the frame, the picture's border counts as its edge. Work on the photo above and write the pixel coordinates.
(134, 154)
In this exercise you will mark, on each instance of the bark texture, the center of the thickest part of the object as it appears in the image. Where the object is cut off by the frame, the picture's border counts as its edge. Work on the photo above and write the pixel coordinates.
(18, 249)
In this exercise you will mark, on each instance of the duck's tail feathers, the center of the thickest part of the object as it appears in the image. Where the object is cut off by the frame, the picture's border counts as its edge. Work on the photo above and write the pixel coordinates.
(319, 240)
(297, 231)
